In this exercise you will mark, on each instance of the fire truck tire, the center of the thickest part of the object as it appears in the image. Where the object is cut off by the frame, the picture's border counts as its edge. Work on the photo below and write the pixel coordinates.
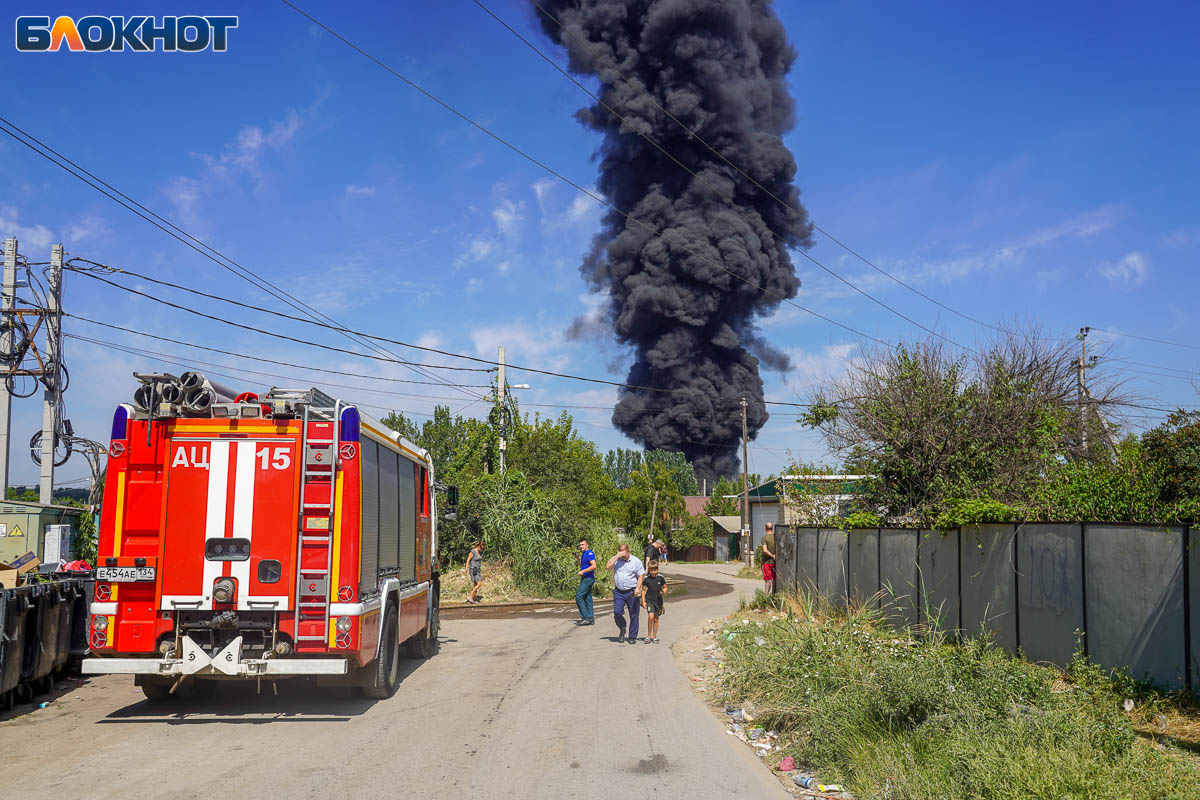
(157, 690)
(425, 643)
(387, 666)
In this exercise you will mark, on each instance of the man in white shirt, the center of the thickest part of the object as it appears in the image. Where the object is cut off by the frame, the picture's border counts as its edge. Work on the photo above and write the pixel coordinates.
(627, 590)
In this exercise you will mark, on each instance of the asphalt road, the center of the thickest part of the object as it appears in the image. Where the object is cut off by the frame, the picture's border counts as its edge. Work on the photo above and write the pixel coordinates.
(514, 707)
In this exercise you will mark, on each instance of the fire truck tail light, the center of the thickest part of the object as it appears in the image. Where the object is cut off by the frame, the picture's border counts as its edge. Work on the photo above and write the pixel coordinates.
(344, 624)
(103, 592)
(346, 594)
(100, 623)
(343, 640)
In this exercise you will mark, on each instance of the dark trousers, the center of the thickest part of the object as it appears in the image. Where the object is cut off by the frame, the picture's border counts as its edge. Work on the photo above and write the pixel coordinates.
(583, 597)
(630, 600)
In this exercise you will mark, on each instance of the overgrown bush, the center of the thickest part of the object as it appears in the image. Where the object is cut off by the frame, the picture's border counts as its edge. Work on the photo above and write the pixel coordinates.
(516, 521)
(889, 715)
(695, 530)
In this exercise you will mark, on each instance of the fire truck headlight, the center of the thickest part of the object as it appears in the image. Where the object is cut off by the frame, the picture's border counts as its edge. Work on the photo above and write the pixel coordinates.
(344, 624)
(224, 590)
(100, 623)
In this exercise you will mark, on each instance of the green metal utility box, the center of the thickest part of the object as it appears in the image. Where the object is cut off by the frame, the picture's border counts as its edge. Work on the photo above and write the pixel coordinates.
(23, 527)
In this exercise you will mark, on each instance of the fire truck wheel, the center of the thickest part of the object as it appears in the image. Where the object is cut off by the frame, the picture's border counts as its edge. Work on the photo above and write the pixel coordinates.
(387, 666)
(425, 643)
(157, 690)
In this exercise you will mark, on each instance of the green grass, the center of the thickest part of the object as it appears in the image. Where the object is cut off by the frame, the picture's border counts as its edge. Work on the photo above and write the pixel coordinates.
(901, 716)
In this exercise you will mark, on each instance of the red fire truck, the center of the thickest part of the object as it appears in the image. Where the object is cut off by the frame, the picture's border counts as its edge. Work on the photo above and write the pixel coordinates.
(247, 537)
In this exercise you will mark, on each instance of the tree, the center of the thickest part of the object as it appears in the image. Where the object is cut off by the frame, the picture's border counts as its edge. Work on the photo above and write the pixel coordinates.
(563, 465)
(931, 424)
(651, 502)
(678, 466)
(619, 464)
(1174, 448)
(720, 503)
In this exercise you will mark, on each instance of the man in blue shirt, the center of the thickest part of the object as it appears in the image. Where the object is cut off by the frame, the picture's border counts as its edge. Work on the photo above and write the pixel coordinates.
(587, 579)
(627, 590)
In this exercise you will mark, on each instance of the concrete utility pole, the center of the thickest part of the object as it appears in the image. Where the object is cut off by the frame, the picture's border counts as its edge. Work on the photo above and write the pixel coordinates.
(747, 538)
(7, 303)
(502, 395)
(52, 395)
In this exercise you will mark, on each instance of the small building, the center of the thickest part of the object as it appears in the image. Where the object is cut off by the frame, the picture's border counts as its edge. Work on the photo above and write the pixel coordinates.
(832, 496)
(726, 531)
(23, 527)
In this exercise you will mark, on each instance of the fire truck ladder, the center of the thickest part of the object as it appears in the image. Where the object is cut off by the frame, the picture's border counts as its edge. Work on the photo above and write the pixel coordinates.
(314, 555)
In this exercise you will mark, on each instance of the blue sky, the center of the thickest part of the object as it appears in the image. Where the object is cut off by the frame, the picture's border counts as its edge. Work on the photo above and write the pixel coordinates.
(1031, 162)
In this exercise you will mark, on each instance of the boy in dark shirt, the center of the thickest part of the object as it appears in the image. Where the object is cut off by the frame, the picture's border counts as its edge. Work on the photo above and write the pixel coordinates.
(654, 586)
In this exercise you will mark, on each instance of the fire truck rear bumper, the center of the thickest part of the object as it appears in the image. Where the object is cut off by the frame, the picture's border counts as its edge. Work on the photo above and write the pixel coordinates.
(256, 668)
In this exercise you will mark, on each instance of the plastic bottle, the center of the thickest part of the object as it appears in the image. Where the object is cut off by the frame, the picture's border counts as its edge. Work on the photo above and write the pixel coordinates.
(805, 782)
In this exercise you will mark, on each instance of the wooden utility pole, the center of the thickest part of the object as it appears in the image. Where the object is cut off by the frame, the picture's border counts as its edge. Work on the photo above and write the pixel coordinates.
(1081, 380)
(747, 538)
(502, 396)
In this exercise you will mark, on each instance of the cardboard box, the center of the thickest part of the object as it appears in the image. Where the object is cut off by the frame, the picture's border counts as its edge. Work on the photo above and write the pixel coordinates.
(8, 577)
(25, 563)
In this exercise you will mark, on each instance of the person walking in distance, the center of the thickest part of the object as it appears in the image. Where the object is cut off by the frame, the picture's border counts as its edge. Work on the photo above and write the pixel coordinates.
(627, 590)
(651, 551)
(768, 558)
(654, 586)
(475, 570)
(587, 579)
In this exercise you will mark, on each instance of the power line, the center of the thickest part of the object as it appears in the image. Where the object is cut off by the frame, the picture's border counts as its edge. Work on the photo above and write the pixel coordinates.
(170, 228)
(693, 134)
(283, 336)
(1147, 339)
(186, 361)
(470, 358)
(728, 199)
(496, 137)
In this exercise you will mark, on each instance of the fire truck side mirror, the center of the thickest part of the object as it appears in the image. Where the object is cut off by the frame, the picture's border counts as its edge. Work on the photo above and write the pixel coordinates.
(451, 502)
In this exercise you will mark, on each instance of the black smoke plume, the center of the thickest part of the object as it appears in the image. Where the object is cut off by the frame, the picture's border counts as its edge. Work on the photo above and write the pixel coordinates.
(719, 67)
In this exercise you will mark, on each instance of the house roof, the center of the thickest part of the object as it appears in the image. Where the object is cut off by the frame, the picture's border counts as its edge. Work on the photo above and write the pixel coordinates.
(728, 524)
(694, 504)
(849, 484)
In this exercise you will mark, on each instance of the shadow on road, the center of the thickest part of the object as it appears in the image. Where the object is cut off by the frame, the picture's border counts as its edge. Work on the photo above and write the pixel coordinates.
(244, 703)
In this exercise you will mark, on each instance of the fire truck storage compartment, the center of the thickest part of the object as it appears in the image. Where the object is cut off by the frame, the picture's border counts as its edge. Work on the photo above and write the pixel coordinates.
(389, 526)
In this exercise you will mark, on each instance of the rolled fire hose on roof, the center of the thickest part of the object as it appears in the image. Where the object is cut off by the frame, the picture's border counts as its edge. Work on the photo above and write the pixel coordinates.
(157, 391)
(199, 393)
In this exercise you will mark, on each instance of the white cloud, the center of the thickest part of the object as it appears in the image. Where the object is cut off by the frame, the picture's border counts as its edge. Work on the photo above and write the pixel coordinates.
(184, 195)
(503, 267)
(1007, 255)
(474, 285)
(508, 217)
(89, 226)
(581, 208)
(1131, 269)
(243, 153)
(544, 346)
(355, 189)
(28, 236)
(541, 190)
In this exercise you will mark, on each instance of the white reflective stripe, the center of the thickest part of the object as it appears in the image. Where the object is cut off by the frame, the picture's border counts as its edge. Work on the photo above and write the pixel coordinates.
(102, 609)
(243, 514)
(353, 609)
(245, 669)
(214, 521)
